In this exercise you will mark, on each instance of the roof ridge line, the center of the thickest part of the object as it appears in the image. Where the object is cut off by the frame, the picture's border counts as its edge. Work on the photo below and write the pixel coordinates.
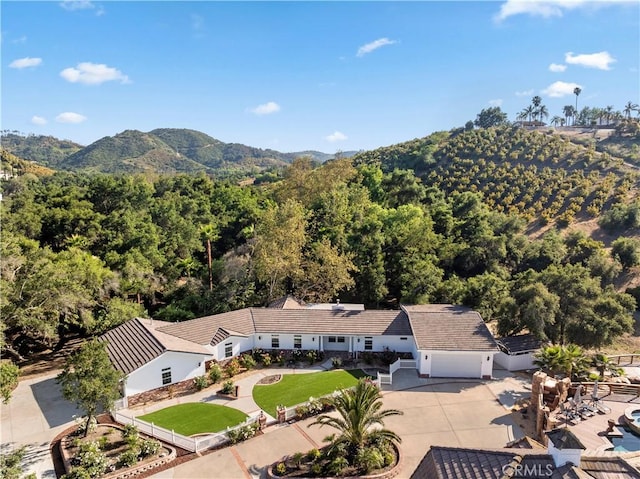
(151, 332)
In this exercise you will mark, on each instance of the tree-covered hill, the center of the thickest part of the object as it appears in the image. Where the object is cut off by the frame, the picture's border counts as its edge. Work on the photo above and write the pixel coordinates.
(45, 150)
(538, 175)
(11, 166)
(161, 151)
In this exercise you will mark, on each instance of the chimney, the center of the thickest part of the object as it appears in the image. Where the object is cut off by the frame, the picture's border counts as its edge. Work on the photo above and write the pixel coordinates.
(564, 447)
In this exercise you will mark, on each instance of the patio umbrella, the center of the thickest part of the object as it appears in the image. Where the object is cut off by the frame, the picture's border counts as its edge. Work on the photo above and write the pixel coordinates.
(577, 397)
(594, 394)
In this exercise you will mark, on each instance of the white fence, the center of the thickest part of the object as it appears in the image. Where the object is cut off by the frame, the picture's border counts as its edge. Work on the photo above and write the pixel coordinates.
(387, 378)
(192, 444)
(121, 403)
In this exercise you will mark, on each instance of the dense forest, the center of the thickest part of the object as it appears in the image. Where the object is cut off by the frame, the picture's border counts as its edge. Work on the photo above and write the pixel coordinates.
(438, 219)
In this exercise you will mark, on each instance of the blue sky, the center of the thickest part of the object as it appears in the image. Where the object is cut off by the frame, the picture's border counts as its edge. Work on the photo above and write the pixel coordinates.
(328, 76)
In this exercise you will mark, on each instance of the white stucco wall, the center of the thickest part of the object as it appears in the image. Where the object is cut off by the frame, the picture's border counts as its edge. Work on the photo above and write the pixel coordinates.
(517, 362)
(263, 341)
(394, 343)
(183, 366)
(238, 345)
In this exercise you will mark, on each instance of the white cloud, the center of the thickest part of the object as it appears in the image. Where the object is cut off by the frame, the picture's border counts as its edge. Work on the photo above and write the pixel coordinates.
(559, 89)
(25, 62)
(38, 120)
(496, 102)
(374, 45)
(72, 5)
(524, 93)
(548, 8)
(22, 39)
(266, 108)
(335, 136)
(93, 74)
(556, 67)
(70, 117)
(600, 60)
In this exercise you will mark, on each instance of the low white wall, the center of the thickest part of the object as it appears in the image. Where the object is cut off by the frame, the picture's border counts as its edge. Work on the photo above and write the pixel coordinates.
(515, 362)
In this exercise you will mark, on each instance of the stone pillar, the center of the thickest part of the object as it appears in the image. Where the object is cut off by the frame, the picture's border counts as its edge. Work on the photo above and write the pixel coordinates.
(537, 389)
(282, 415)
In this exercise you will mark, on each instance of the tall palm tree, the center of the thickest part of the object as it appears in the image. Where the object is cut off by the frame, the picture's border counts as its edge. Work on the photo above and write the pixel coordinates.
(210, 233)
(630, 107)
(556, 120)
(529, 111)
(576, 91)
(536, 101)
(608, 113)
(568, 111)
(543, 112)
(359, 410)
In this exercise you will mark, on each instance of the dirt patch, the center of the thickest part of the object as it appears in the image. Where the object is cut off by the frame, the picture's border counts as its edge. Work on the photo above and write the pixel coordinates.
(274, 378)
(49, 360)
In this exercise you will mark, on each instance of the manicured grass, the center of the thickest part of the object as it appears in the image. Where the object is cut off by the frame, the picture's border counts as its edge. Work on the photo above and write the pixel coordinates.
(195, 418)
(297, 388)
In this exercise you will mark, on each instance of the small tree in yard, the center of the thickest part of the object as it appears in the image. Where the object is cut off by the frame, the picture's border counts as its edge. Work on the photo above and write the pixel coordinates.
(90, 380)
(9, 373)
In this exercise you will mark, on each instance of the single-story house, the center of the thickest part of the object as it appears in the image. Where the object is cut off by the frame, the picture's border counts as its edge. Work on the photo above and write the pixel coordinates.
(517, 352)
(445, 340)
(564, 457)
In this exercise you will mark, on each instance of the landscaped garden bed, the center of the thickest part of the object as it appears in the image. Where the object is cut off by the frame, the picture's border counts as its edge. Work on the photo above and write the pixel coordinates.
(195, 418)
(360, 448)
(327, 462)
(111, 451)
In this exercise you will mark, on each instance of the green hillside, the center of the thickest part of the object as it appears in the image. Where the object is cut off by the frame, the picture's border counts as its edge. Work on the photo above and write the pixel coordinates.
(46, 150)
(536, 174)
(163, 150)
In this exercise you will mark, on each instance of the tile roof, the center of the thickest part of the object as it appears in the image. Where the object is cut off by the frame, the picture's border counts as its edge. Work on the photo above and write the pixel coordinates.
(324, 321)
(204, 330)
(563, 438)
(449, 328)
(136, 342)
(462, 463)
(609, 468)
(520, 343)
(248, 321)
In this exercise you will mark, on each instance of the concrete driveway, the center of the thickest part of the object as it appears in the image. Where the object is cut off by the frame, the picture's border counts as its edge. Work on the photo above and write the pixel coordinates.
(36, 413)
(445, 413)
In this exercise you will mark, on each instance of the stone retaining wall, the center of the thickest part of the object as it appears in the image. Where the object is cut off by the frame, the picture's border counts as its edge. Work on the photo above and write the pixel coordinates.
(165, 392)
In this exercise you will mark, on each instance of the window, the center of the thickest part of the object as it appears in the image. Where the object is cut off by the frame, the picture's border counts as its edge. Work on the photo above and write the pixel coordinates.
(341, 339)
(368, 344)
(337, 339)
(403, 339)
(275, 341)
(297, 341)
(332, 339)
(166, 376)
(228, 350)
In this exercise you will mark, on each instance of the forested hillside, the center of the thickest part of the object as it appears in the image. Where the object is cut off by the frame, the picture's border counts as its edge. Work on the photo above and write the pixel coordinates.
(540, 176)
(160, 151)
(83, 253)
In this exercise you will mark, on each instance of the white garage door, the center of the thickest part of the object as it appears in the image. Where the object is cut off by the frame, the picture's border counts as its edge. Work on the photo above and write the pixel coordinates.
(444, 365)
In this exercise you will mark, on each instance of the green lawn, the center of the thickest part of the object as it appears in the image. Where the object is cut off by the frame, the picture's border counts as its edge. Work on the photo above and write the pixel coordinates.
(297, 388)
(195, 418)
